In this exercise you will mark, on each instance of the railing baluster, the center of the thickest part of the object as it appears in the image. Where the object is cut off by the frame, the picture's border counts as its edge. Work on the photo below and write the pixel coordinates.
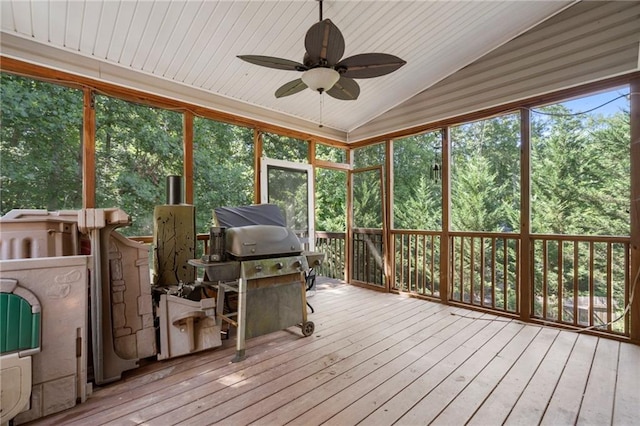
(481, 271)
(609, 285)
(576, 311)
(462, 269)
(545, 278)
(493, 272)
(560, 282)
(471, 270)
(591, 287)
(505, 277)
(517, 275)
(627, 285)
(433, 263)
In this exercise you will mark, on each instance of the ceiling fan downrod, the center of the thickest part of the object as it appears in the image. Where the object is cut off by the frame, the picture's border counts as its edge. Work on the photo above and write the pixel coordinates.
(320, 1)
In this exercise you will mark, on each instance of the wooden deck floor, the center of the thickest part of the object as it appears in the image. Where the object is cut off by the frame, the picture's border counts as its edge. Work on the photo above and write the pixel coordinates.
(383, 359)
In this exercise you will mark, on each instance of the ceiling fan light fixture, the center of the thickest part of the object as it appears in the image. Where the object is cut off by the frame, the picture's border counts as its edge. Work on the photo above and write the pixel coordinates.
(320, 79)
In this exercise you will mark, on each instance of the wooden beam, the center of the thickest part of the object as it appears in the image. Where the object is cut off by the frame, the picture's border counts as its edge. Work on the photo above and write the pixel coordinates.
(635, 210)
(88, 150)
(187, 146)
(445, 243)
(525, 216)
(486, 113)
(26, 69)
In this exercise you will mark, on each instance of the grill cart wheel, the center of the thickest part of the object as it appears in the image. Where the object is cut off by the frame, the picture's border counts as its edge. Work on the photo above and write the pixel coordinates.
(307, 328)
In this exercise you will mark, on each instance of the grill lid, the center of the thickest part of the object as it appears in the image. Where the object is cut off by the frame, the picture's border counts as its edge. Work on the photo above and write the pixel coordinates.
(256, 241)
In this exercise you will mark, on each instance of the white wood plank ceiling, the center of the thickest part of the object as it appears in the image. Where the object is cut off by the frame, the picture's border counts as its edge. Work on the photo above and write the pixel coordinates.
(195, 43)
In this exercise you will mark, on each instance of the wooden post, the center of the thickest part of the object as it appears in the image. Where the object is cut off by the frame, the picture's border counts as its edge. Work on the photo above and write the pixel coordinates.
(525, 216)
(445, 246)
(635, 210)
(187, 147)
(387, 194)
(348, 255)
(88, 150)
(257, 154)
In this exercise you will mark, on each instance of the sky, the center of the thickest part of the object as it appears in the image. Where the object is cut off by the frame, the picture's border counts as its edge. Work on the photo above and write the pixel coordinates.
(589, 102)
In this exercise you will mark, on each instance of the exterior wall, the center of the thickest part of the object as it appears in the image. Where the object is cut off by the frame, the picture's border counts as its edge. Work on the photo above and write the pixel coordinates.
(588, 42)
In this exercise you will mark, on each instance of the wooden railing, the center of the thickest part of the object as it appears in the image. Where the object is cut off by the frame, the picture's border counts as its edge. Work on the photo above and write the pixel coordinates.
(417, 262)
(368, 257)
(576, 281)
(581, 281)
(485, 270)
(333, 245)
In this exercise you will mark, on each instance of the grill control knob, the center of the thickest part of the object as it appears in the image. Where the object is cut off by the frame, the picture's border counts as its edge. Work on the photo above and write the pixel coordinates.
(279, 265)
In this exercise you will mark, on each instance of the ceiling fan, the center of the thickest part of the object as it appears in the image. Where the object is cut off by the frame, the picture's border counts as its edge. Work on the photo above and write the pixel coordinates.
(322, 67)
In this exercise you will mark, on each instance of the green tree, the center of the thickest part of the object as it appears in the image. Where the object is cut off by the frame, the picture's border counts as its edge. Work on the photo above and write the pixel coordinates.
(40, 146)
(137, 147)
(223, 168)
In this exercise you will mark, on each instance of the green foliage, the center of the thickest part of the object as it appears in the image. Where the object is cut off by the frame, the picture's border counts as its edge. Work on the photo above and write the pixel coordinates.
(137, 147)
(331, 200)
(580, 173)
(40, 149)
(372, 155)
(330, 153)
(223, 168)
(417, 188)
(485, 175)
(367, 199)
(285, 148)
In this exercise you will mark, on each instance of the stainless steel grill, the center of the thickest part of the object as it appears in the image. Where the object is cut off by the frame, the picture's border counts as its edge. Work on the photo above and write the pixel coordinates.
(265, 265)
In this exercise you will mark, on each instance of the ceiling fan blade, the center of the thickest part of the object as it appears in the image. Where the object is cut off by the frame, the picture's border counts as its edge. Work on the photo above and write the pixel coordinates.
(291, 88)
(272, 62)
(345, 89)
(368, 65)
(324, 42)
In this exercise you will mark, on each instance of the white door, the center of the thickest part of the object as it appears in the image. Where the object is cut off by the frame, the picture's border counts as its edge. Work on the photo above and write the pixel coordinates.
(290, 186)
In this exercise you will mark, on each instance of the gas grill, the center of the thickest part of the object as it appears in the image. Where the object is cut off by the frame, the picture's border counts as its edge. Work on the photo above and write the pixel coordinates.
(252, 254)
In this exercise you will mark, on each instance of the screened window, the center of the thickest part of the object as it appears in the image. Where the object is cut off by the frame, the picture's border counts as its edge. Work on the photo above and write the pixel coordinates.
(371, 155)
(485, 175)
(417, 182)
(285, 148)
(137, 147)
(223, 168)
(331, 153)
(580, 166)
(40, 146)
(331, 200)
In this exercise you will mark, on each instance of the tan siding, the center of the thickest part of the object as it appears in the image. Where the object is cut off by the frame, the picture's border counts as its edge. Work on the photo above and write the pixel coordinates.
(588, 42)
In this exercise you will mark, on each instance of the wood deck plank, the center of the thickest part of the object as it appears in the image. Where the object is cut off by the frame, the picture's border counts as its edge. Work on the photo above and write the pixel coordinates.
(461, 409)
(597, 402)
(626, 408)
(251, 405)
(463, 330)
(402, 353)
(333, 397)
(443, 393)
(496, 408)
(403, 403)
(382, 359)
(565, 402)
(234, 376)
(531, 405)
